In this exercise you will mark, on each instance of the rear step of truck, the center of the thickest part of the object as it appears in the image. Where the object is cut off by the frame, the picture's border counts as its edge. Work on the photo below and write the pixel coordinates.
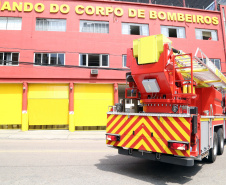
(188, 161)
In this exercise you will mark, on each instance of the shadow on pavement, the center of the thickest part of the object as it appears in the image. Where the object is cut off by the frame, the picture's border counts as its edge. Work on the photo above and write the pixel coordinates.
(149, 171)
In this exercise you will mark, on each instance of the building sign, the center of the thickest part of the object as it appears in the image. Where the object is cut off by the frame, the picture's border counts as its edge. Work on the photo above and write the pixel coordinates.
(106, 11)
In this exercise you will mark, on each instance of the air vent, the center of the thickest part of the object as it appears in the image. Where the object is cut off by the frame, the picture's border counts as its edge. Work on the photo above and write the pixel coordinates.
(94, 71)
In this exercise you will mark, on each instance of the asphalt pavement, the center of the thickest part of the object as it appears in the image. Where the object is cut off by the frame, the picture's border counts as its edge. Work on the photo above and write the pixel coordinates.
(51, 135)
(46, 157)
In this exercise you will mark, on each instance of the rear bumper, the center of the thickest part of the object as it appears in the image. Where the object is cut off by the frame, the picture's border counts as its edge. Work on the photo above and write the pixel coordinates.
(183, 161)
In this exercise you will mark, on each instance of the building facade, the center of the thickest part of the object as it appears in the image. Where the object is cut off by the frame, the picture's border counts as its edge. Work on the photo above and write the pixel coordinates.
(48, 50)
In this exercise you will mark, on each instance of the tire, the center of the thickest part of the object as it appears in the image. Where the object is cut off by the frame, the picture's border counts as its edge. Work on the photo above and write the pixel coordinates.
(213, 151)
(220, 137)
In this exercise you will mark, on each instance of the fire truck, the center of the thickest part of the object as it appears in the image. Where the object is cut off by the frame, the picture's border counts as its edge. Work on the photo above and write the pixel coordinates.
(179, 105)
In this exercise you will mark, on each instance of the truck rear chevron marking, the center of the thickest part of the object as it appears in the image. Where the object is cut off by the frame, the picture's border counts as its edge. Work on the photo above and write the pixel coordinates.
(149, 133)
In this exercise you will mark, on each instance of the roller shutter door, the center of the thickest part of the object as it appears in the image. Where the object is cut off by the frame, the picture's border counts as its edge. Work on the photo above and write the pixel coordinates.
(11, 104)
(91, 103)
(48, 104)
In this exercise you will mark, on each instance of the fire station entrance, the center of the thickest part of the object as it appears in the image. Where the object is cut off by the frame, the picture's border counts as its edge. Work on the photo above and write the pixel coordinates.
(48, 104)
(91, 103)
(11, 104)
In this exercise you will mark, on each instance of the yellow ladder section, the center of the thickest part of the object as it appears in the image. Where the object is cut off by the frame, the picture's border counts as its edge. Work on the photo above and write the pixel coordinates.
(204, 73)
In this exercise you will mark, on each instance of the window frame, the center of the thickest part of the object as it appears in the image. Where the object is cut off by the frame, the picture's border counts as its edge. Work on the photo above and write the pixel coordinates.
(41, 18)
(206, 30)
(173, 27)
(124, 66)
(11, 57)
(213, 61)
(100, 58)
(123, 24)
(7, 21)
(49, 59)
(93, 21)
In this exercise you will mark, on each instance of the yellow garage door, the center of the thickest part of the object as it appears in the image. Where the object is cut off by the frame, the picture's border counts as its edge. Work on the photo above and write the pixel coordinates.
(48, 104)
(91, 103)
(11, 104)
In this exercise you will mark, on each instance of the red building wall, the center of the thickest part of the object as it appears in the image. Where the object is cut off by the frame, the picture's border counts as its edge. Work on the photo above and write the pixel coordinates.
(72, 42)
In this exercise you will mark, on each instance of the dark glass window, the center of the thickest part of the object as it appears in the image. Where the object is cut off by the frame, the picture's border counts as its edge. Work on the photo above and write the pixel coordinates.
(94, 60)
(135, 30)
(9, 58)
(172, 32)
(49, 59)
(60, 59)
(53, 59)
(105, 60)
(83, 60)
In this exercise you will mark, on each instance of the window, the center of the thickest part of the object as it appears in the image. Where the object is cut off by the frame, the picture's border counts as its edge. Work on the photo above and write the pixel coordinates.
(135, 29)
(10, 23)
(49, 59)
(171, 31)
(50, 24)
(216, 62)
(9, 59)
(95, 60)
(124, 57)
(94, 26)
(202, 34)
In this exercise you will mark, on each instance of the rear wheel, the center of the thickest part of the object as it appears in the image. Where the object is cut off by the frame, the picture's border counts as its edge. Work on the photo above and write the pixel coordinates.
(220, 137)
(213, 151)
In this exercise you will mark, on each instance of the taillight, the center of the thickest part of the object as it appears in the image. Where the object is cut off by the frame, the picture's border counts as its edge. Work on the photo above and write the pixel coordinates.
(112, 137)
(178, 145)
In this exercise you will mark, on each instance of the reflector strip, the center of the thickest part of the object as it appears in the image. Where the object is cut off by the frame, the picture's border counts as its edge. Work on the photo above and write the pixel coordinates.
(150, 133)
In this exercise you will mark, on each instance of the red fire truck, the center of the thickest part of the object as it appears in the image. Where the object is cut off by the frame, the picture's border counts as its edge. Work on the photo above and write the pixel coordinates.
(179, 105)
